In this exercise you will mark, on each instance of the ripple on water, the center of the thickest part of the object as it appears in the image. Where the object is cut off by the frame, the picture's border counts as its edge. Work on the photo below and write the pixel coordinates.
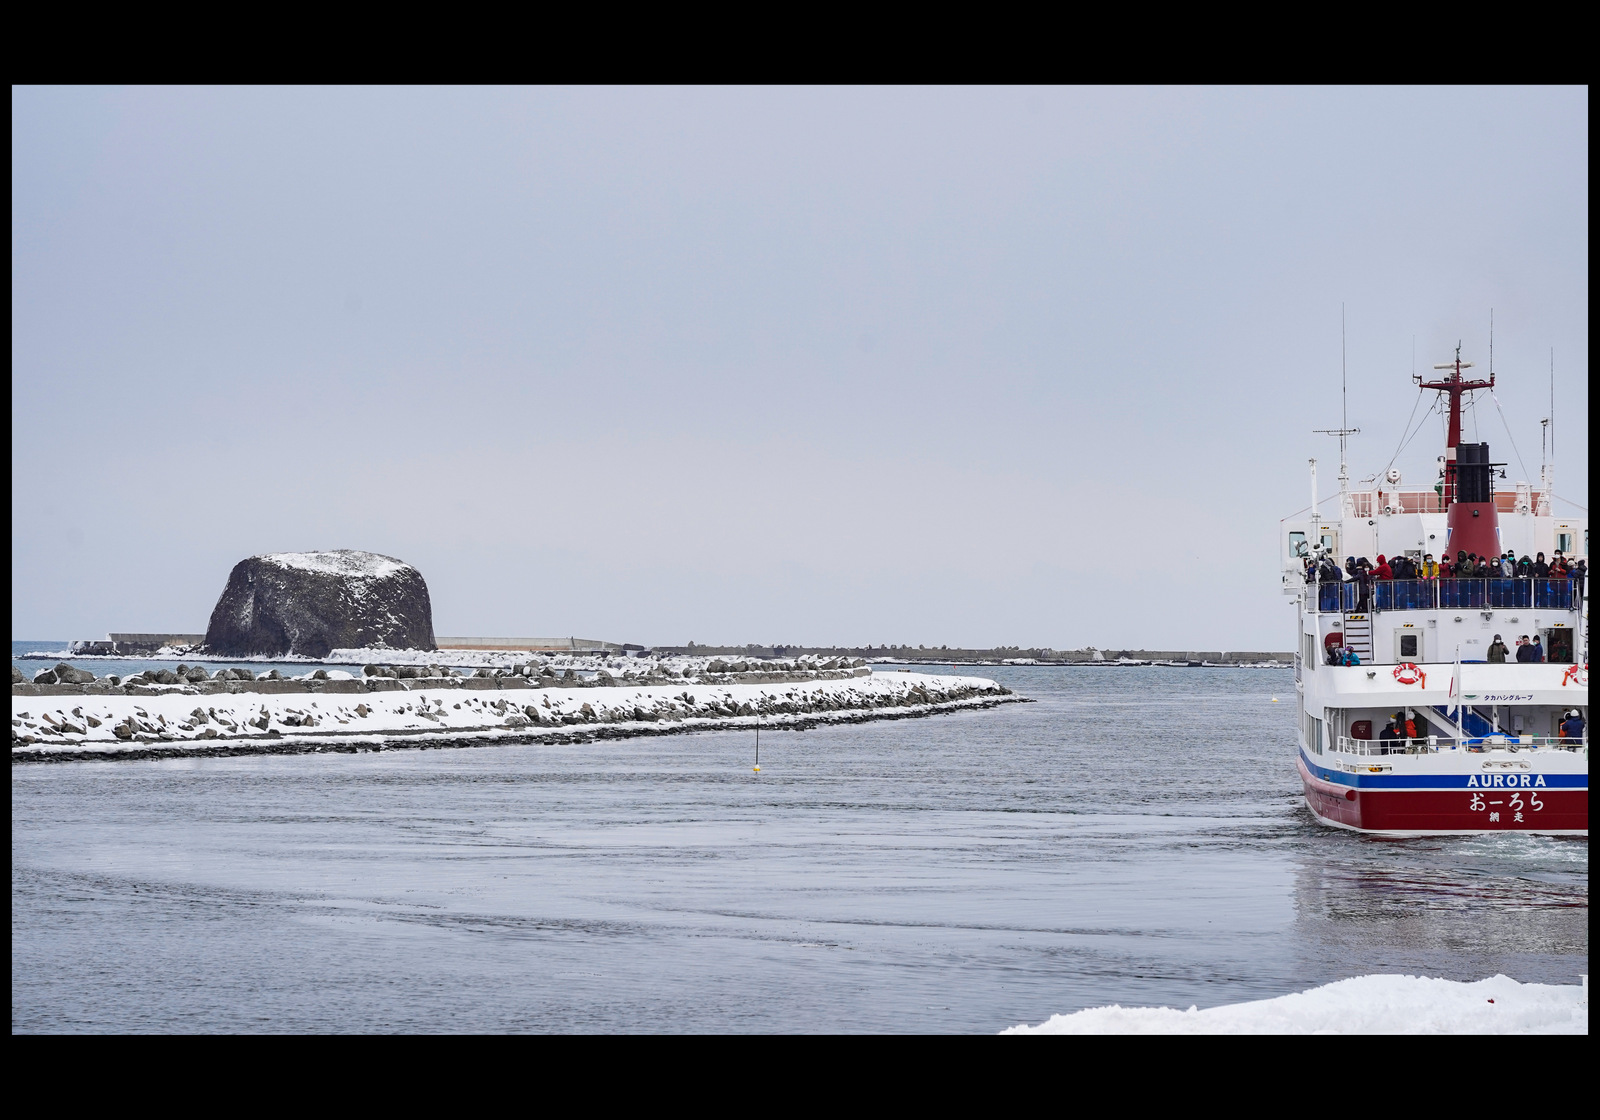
(1136, 837)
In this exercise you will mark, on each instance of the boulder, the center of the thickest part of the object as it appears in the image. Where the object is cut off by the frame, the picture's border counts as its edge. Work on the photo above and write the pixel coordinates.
(17, 677)
(196, 674)
(45, 676)
(310, 603)
(67, 674)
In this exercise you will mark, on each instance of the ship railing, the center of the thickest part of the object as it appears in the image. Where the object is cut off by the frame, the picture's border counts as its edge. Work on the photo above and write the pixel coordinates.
(1431, 744)
(1444, 594)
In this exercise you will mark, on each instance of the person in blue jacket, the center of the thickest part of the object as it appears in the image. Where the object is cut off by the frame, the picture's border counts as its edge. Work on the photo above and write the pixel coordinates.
(1572, 728)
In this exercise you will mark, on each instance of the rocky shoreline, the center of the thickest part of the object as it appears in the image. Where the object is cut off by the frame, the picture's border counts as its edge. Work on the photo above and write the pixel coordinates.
(166, 682)
(381, 713)
(422, 740)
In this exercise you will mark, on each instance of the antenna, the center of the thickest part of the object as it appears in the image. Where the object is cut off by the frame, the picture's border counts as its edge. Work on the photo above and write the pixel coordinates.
(1344, 430)
(1550, 477)
(1491, 342)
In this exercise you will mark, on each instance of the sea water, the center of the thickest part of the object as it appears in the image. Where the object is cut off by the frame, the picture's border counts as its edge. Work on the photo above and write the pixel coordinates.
(1133, 836)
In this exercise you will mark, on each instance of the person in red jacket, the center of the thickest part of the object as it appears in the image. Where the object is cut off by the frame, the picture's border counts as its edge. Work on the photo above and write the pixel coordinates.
(1382, 571)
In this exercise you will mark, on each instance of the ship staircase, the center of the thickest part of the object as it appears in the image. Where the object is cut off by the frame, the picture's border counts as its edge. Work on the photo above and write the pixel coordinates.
(1473, 721)
(1358, 635)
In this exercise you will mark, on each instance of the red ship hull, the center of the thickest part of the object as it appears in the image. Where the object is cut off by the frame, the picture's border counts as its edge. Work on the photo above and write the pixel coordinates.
(1450, 810)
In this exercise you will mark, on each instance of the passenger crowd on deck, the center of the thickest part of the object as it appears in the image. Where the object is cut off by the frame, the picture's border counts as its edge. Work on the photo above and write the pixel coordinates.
(1320, 567)
(1466, 565)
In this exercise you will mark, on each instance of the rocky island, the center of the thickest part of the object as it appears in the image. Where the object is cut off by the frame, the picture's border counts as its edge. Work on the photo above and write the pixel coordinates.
(307, 604)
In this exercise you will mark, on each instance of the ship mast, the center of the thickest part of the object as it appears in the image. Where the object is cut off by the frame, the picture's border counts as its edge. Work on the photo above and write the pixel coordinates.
(1344, 432)
(1453, 384)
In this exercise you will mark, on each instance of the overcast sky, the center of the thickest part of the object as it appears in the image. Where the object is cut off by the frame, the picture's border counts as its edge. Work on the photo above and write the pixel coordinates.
(967, 366)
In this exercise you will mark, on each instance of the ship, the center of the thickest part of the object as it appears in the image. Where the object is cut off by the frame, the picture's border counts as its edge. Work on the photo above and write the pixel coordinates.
(1410, 722)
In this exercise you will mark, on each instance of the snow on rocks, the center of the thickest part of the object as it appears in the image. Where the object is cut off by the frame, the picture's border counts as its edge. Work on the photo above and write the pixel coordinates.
(344, 562)
(413, 713)
(1361, 1005)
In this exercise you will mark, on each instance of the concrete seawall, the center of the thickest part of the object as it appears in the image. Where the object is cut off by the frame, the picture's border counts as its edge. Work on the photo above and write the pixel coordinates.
(984, 656)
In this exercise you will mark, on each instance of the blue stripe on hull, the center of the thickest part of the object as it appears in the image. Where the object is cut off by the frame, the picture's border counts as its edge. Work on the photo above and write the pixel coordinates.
(1529, 780)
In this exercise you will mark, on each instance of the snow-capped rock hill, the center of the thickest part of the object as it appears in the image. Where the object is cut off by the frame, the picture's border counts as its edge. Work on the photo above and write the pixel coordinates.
(310, 603)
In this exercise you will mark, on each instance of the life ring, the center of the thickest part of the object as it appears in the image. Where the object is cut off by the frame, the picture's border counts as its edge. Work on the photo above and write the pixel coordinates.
(1577, 674)
(1407, 673)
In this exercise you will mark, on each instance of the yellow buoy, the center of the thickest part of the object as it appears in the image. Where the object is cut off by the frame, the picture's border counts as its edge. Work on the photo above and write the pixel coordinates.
(1274, 699)
(757, 769)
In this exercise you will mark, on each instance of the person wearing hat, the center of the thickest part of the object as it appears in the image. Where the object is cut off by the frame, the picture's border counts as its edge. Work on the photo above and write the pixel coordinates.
(1363, 584)
(1498, 651)
(1538, 650)
(1572, 729)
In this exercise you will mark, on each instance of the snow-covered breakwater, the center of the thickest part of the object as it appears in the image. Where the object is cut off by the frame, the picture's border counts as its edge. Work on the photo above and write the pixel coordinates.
(351, 715)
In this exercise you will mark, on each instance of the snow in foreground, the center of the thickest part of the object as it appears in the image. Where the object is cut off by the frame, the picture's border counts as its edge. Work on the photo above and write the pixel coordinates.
(1362, 1005)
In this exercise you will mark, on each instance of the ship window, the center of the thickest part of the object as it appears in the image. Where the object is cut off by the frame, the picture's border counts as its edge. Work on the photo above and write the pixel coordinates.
(1297, 544)
(1564, 543)
(1408, 645)
(1312, 731)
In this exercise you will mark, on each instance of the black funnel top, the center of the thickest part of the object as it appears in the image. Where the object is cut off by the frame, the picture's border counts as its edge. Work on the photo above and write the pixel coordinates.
(1472, 473)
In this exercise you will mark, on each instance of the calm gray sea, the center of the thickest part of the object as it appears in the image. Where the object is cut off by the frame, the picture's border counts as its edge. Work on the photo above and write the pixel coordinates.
(1136, 836)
